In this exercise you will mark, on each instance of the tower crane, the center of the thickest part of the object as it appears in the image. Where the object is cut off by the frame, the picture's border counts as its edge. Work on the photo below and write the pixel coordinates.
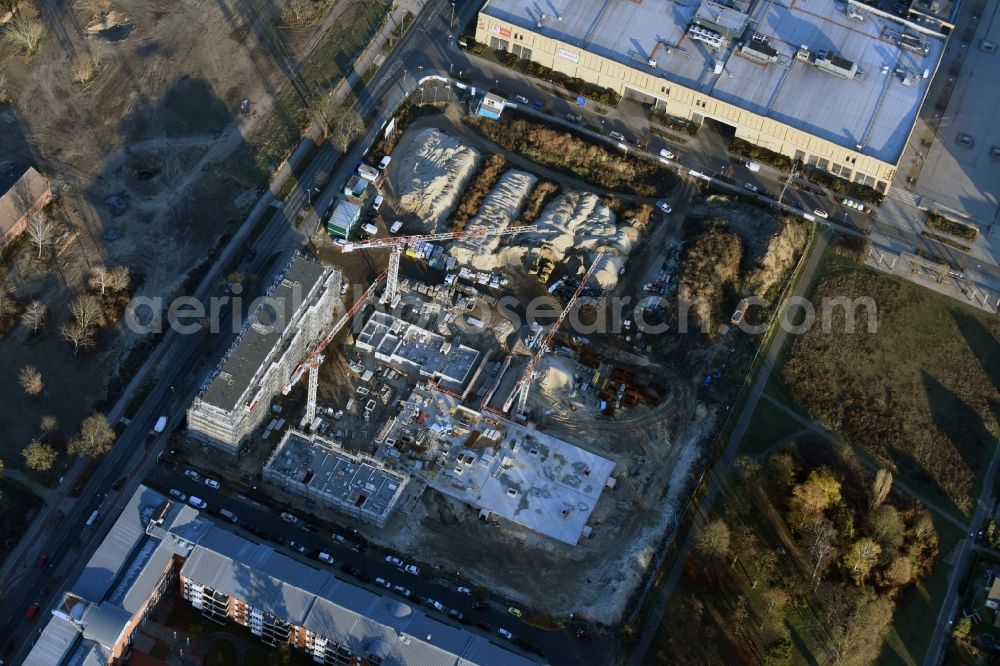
(397, 243)
(314, 358)
(520, 391)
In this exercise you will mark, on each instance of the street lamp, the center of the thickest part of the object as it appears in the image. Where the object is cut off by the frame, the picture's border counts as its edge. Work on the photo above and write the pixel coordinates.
(452, 24)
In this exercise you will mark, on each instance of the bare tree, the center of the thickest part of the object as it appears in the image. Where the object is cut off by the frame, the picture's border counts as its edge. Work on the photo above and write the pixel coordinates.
(34, 315)
(41, 231)
(24, 33)
(100, 275)
(345, 127)
(862, 556)
(86, 309)
(121, 278)
(78, 335)
(8, 307)
(818, 536)
(48, 424)
(95, 438)
(880, 488)
(39, 456)
(713, 539)
(31, 380)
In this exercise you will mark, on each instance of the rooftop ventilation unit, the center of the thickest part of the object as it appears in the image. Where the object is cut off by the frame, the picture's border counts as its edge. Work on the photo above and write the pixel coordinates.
(709, 37)
(759, 50)
(914, 43)
(832, 63)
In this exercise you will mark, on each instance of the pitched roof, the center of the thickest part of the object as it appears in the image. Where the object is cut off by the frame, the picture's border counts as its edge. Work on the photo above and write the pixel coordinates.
(19, 196)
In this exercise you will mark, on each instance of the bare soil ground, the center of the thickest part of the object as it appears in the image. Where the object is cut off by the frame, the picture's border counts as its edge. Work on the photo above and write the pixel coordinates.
(151, 158)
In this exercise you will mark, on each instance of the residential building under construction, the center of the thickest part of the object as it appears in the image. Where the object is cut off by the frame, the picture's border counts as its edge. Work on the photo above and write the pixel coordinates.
(297, 310)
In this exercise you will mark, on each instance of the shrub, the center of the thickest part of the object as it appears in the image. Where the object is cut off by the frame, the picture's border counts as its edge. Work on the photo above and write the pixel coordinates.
(759, 154)
(484, 180)
(579, 86)
(857, 191)
(964, 231)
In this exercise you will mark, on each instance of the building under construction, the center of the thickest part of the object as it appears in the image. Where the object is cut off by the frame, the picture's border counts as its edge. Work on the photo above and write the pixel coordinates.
(297, 310)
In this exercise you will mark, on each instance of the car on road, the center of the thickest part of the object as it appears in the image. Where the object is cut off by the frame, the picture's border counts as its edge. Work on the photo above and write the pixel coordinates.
(42, 560)
(819, 212)
(396, 226)
(338, 538)
(413, 569)
(515, 611)
(666, 153)
(504, 633)
(617, 136)
(325, 557)
(295, 545)
(483, 624)
(402, 590)
(457, 614)
(665, 207)
(178, 495)
(574, 117)
(751, 187)
(394, 561)
(582, 635)
(537, 105)
(521, 99)
(32, 611)
(382, 582)
(289, 518)
(212, 483)
(463, 590)
(436, 605)
(197, 502)
(480, 605)
(384, 162)
(190, 473)
(228, 515)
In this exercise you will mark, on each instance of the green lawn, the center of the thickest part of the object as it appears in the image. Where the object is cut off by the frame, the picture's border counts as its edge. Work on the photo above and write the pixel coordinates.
(769, 427)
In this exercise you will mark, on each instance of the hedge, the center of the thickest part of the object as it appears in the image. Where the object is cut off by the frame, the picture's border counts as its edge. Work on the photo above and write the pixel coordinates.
(578, 86)
(941, 223)
(839, 185)
(758, 154)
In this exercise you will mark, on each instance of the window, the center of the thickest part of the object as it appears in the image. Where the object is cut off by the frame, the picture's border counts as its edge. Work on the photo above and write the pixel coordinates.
(823, 163)
(799, 156)
(526, 53)
(845, 173)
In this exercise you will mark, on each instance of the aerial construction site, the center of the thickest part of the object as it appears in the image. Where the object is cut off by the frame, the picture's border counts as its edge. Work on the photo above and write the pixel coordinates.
(504, 381)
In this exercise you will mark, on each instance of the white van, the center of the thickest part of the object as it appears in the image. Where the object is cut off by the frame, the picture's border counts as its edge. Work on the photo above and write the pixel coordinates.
(161, 425)
(370, 229)
(666, 153)
(378, 202)
(752, 166)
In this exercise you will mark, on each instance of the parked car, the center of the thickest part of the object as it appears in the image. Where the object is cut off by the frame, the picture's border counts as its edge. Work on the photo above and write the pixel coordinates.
(197, 502)
(378, 202)
(325, 557)
(384, 162)
(463, 590)
(413, 569)
(521, 99)
(483, 624)
(228, 515)
(295, 545)
(574, 117)
(338, 538)
(178, 495)
(666, 153)
(402, 590)
(751, 187)
(819, 212)
(582, 635)
(396, 226)
(436, 605)
(537, 105)
(41, 561)
(480, 605)
(395, 561)
(617, 136)
(516, 612)
(289, 518)
(32, 611)
(665, 207)
(457, 614)
(504, 633)
(382, 582)
(212, 483)
(190, 473)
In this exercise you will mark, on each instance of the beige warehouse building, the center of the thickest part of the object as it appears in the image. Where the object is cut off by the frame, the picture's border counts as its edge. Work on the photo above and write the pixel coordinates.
(837, 86)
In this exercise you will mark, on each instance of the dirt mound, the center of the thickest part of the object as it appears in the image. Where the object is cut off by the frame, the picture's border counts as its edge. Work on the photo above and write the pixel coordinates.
(711, 265)
(580, 220)
(782, 252)
(112, 26)
(497, 212)
(432, 173)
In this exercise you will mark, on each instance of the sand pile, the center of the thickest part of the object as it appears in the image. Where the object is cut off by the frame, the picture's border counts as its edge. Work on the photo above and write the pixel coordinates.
(432, 173)
(578, 220)
(555, 377)
(497, 211)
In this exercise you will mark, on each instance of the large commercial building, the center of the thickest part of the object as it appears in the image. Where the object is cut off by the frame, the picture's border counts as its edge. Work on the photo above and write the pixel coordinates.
(321, 471)
(157, 543)
(297, 310)
(835, 85)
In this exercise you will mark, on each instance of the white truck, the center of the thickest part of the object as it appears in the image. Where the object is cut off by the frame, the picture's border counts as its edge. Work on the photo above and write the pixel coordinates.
(161, 425)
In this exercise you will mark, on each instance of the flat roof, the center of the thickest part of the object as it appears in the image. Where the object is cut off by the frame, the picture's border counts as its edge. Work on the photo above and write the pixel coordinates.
(263, 330)
(874, 108)
(524, 475)
(403, 342)
(354, 480)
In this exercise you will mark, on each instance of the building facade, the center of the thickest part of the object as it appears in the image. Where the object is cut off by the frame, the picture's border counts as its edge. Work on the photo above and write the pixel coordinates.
(298, 308)
(26, 195)
(750, 68)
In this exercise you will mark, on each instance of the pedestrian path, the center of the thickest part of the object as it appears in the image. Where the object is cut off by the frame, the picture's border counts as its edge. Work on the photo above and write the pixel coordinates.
(904, 196)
